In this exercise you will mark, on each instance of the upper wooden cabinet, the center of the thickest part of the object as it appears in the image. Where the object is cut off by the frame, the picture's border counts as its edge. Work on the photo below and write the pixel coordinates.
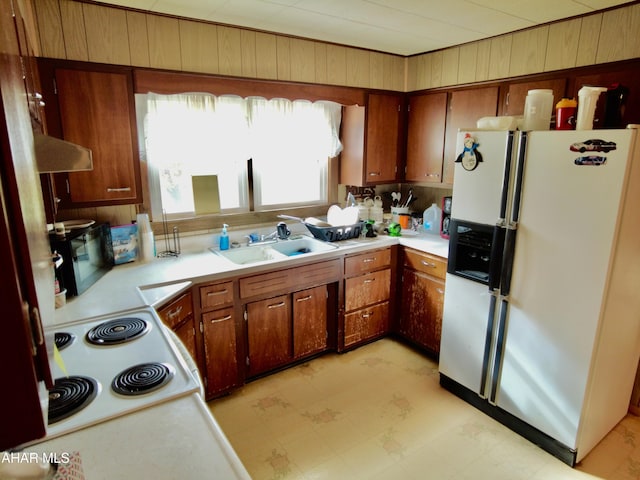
(465, 108)
(425, 137)
(94, 107)
(516, 94)
(371, 141)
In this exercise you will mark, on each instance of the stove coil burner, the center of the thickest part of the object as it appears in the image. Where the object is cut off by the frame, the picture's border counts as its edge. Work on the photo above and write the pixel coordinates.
(69, 395)
(63, 340)
(120, 330)
(142, 378)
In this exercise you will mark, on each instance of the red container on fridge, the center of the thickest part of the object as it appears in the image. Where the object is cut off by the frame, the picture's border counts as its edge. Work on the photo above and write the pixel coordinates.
(566, 114)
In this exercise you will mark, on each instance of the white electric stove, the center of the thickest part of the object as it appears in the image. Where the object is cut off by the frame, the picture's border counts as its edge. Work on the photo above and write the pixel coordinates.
(115, 365)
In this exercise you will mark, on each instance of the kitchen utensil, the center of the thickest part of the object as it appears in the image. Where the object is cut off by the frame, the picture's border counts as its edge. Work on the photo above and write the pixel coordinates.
(395, 198)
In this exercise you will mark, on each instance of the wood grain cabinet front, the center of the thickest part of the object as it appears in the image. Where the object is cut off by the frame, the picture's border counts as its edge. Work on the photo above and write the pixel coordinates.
(422, 299)
(94, 106)
(178, 316)
(367, 292)
(220, 349)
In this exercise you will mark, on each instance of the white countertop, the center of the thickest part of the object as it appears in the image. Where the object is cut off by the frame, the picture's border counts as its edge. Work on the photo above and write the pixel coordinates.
(189, 444)
(152, 283)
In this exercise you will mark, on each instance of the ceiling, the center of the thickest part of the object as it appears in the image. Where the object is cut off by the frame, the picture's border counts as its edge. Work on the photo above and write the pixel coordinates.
(402, 27)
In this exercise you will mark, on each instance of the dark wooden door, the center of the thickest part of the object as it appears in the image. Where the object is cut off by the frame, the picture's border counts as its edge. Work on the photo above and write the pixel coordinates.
(383, 138)
(310, 321)
(425, 137)
(465, 108)
(220, 350)
(516, 94)
(269, 333)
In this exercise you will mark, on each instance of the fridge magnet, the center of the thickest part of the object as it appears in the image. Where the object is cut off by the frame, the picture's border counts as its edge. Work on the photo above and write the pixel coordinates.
(591, 160)
(593, 145)
(470, 156)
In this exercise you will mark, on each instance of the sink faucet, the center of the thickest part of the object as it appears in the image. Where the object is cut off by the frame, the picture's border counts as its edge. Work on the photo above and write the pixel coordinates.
(281, 233)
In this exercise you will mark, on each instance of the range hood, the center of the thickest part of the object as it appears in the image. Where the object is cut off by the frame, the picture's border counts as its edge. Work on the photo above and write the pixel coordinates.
(55, 155)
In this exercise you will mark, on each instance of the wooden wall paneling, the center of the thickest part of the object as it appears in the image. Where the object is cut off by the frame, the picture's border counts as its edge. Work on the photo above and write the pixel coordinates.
(107, 34)
(482, 63)
(437, 59)
(164, 42)
(499, 57)
(528, 51)
(138, 39)
(413, 67)
(396, 69)
(229, 51)
(589, 39)
(467, 63)
(562, 48)
(198, 46)
(320, 59)
(303, 62)
(376, 70)
(266, 56)
(73, 28)
(619, 34)
(283, 58)
(336, 65)
(248, 49)
(358, 66)
(422, 77)
(49, 24)
(450, 64)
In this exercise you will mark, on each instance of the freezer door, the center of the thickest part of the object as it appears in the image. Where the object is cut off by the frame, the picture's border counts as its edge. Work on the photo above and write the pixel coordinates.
(464, 353)
(567, 224)
(480, 194)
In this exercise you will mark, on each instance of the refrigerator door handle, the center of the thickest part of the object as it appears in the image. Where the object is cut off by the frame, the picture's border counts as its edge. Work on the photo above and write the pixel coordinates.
(496, 256)
(504, 199)
(488, 344)
(499, 353)
(507, 261)
(515, 208)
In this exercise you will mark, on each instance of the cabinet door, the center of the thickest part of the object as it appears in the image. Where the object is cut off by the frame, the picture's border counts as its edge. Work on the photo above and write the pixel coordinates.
(517, 94)
(465, 108)
(269, 333)
(366, 323)
(383, 138)
(367, 289)
(187, 335)
(310, 321)
(425, 137)
(96, 111)
(371, 140)
(220, 350)
(421, 312)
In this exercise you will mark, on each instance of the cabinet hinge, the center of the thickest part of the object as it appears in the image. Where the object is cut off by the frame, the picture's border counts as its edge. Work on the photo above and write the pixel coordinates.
(206, 382)
(245, 315)
(247, 361)
(399, 107)
(201, 327)
(55, 87)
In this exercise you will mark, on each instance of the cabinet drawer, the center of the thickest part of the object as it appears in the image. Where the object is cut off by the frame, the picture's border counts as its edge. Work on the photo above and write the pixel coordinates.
(283, 280)
(425, 262)
(213, 296)
(367, 262)
(366, 323)
(177, 311)
(367, 289)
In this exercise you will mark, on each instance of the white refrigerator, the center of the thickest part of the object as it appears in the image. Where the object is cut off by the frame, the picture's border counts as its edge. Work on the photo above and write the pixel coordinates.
(541, 325)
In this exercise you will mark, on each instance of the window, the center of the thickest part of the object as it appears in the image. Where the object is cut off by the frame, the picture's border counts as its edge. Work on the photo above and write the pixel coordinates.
(201, 134)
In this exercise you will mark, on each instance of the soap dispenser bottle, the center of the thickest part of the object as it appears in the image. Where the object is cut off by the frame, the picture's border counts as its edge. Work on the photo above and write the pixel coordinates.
(224, 238)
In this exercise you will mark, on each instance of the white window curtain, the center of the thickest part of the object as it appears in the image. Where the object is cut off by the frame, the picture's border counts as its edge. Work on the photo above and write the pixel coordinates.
(197, 134)
(291, 143)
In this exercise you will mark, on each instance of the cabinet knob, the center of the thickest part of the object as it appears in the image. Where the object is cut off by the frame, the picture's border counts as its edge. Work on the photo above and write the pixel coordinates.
(304, 299)
(221, 319)
(427, 264)
(218, 292)
(118, 189)
(174, 313)
(374, 174)
(276, 305)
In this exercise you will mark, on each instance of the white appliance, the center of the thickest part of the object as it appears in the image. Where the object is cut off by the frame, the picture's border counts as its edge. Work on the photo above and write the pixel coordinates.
(541, 325)
(101, 348)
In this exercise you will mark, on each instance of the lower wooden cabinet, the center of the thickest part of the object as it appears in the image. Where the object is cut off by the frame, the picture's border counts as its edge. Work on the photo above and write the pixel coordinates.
(422, 299)
(178, 316)
(220, 350)
(367, 323)
(286, 328)
(269, 333)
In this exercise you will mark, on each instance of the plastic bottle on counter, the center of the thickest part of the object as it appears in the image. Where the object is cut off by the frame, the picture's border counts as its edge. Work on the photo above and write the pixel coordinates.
(431, 219)
(145, 238)
(224, 238)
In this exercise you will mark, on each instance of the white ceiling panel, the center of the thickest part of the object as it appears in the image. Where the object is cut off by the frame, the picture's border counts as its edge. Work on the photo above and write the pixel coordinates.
(403, 27)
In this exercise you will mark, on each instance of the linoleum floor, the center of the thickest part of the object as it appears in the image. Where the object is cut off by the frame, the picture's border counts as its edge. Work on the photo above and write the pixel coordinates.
(378, 412)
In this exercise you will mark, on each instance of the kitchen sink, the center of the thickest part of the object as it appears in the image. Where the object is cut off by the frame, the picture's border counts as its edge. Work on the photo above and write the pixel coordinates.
(274, 251)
